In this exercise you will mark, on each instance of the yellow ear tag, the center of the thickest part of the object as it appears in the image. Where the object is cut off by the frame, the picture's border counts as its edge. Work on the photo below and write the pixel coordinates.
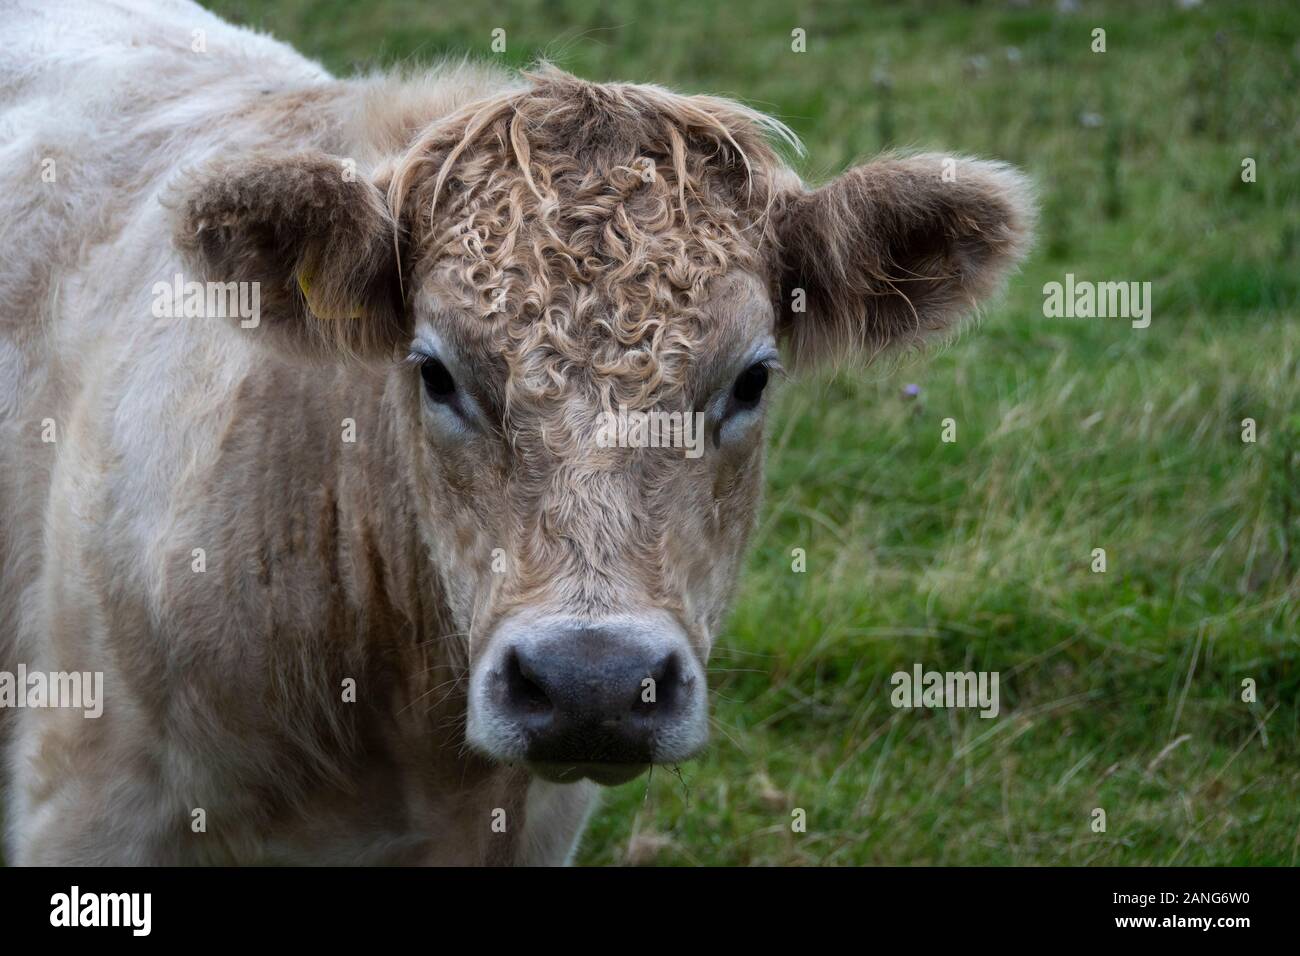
(305, 283)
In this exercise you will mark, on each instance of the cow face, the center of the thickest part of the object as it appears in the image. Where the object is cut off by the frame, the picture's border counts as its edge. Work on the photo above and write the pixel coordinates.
(582, 293)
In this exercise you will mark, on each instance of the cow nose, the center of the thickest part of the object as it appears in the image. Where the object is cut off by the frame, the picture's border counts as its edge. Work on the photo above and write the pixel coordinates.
(589, 683)
(588, 697)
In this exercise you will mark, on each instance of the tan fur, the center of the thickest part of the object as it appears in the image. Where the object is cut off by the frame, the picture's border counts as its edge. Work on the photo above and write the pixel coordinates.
(373, 561)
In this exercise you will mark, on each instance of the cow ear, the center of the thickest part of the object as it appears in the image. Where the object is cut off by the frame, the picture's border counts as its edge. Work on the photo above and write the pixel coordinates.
(316, 237)
(895, 251)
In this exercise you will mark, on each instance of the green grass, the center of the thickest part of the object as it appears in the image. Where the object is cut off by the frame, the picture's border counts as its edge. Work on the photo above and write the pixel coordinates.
(1072, 435)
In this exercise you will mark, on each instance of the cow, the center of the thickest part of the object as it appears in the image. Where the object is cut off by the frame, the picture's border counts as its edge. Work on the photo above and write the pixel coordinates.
(301, 380)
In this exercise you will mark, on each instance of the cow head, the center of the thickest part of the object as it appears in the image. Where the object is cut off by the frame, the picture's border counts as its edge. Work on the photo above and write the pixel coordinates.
(537, 271)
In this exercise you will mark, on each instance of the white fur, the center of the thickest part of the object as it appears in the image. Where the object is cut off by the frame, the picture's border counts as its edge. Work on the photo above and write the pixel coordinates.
(114, 93)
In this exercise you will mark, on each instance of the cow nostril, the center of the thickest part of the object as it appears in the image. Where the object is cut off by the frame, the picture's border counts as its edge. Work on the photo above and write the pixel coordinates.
(661, 693)
(523, 692)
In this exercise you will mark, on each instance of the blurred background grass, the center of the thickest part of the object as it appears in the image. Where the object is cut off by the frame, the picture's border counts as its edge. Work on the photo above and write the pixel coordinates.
(1073, 434)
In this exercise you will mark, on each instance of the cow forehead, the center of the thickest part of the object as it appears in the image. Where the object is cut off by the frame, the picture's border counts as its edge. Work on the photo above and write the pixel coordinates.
(604, 277)
(595, 345)
(579, 228)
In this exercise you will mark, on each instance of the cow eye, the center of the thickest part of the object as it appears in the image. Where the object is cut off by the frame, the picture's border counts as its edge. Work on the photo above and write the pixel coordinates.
(750, 384)
(437, 380)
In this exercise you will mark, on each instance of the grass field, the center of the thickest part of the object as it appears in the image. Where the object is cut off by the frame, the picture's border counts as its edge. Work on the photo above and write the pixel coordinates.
(1120, 690)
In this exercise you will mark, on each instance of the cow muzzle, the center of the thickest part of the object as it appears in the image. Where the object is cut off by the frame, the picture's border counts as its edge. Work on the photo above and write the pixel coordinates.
(574, 699)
